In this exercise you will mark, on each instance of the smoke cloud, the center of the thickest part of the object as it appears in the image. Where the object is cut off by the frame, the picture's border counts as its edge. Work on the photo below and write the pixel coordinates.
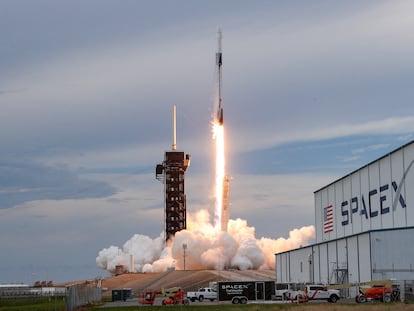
(206, 247)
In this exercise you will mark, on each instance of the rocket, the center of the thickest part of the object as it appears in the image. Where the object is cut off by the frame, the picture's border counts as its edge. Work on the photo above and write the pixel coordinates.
(219, 62)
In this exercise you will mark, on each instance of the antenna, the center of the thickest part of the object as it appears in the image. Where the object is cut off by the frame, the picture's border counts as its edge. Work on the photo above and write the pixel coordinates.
(174, 143)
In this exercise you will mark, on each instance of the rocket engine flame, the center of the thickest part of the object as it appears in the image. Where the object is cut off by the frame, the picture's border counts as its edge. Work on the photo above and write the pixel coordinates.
(218, 136)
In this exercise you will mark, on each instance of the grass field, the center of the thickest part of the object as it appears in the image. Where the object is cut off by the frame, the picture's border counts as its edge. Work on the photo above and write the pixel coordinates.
(59, 305)
(52, 304)
(271, 307)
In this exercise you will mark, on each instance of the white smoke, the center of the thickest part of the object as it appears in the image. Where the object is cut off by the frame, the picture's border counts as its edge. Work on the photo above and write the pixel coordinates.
(206, 248)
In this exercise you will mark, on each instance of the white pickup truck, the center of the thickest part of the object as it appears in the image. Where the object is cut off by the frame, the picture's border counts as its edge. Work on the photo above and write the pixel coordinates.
(315, 292)
(202, 293)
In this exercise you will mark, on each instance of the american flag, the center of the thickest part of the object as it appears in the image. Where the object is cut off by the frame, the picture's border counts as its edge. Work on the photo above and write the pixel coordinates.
(328, 219)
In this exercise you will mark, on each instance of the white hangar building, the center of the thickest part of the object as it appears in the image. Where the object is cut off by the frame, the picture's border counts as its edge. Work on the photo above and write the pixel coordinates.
(364, 226)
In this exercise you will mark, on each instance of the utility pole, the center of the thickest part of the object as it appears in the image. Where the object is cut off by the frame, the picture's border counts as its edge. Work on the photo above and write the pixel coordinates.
(184, 249)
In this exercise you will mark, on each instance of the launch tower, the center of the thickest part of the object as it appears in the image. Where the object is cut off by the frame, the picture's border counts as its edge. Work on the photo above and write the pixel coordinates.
(172, 174)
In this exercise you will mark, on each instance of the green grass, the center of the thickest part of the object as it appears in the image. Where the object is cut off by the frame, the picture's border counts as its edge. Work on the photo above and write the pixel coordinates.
(43, 304)
(221, 307)
(58, 304)
(271, 307)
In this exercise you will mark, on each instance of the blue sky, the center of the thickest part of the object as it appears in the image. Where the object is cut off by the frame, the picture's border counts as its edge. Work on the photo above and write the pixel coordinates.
(311, 91)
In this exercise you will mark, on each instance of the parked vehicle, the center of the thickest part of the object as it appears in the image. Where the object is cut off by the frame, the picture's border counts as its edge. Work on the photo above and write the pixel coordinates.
(175, 296)
(169, 296)
(244, 291)
(377, 292)
(147, 297)
(282, 292)
(315, 292)
(202, 293)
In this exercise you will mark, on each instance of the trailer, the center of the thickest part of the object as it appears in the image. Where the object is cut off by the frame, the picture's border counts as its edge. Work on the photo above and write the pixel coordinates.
(244, 291)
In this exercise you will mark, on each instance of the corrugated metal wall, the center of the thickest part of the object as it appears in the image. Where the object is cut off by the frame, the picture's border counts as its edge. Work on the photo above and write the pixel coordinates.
(376, 255)
(340, 261)
(377, 196)
(392, 254)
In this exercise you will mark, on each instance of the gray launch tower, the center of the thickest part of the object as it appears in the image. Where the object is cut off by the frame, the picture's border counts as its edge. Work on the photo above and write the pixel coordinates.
(172, 174)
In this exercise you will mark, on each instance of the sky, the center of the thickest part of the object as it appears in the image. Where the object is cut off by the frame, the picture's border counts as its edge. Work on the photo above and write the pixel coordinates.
(311, 92)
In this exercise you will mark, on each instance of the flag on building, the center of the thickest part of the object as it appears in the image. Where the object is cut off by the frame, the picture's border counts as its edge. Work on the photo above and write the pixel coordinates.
(328, 223)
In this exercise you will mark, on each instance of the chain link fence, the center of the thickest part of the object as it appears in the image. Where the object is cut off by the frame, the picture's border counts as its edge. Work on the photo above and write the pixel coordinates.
(81, 295)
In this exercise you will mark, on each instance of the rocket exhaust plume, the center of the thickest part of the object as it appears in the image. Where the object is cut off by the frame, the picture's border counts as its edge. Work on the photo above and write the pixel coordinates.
(218, 136)
(207, 248)
(228, 244)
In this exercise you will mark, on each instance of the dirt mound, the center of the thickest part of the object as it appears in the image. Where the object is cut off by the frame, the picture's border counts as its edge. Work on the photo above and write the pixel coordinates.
(189, 280)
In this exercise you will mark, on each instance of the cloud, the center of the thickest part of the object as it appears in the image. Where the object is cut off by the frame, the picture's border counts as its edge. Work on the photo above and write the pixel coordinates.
(97, 97)
(349, 159)
(257, 139)
(370, 148)
(23, 181)
(110, 91)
